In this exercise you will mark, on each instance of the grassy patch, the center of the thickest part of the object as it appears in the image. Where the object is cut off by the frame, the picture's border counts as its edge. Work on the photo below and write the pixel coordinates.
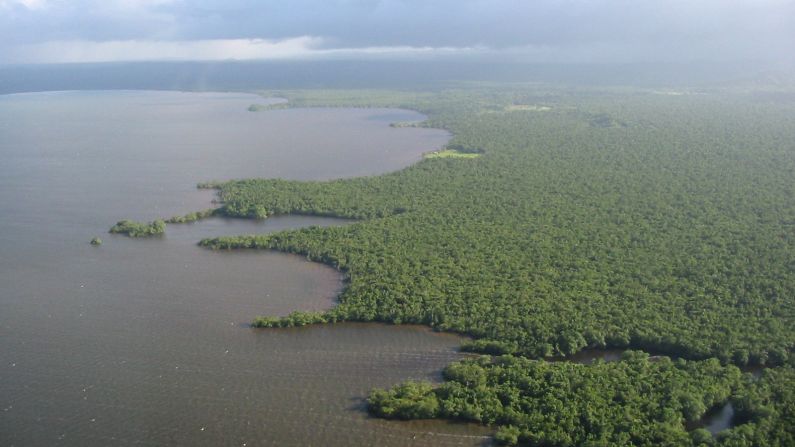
(527, 108)
(449, 153)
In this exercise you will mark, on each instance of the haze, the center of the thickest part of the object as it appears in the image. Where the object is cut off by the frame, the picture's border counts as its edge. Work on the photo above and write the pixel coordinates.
(761, 32)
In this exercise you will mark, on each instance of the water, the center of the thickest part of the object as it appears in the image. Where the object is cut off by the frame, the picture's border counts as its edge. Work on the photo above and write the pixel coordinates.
(719, 419)
(145, 341)
(715, 420)
(588, 356)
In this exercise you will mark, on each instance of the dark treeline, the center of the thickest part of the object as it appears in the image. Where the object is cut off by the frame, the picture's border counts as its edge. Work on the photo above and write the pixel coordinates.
(620, 219)
(430, 74)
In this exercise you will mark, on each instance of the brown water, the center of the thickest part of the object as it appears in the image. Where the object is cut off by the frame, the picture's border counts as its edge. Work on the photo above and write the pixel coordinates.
(144, 342)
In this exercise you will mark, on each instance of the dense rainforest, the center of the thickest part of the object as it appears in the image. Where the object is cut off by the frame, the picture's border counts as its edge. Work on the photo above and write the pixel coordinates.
(636, 401)
(653, 221)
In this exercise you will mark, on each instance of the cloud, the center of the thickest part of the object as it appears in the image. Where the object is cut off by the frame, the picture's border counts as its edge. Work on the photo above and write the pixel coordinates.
(208, 50)
(27, 4)
(535, 30)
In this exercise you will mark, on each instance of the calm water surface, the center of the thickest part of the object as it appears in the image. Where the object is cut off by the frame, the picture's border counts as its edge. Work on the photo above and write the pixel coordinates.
(715, 420)
(144, 342)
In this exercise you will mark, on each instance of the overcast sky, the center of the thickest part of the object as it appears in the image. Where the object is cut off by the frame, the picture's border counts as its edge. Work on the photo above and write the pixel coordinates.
(51, 31)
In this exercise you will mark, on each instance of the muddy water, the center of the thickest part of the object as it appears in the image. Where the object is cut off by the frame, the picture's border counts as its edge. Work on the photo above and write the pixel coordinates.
(145, 342)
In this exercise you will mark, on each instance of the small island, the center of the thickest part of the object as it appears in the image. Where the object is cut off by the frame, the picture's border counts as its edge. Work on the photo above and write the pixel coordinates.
(402, 124)
(192, 217)
(139, 229)
(96, 241)
(262, 107)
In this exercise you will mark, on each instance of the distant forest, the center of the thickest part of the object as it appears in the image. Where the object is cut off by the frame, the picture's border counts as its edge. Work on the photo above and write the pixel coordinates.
(654, 220)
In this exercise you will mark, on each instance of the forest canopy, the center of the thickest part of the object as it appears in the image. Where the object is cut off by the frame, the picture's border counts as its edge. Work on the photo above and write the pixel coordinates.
(614, 219)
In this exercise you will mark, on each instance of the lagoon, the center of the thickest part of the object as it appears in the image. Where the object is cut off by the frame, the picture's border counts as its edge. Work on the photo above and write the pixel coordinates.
(146, 342)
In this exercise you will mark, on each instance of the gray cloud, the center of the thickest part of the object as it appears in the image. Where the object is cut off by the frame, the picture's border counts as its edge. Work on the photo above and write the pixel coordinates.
(544, 30)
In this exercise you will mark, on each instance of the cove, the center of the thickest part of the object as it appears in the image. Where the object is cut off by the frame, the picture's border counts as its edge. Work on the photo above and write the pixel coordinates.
(714, 420)
(145, 341)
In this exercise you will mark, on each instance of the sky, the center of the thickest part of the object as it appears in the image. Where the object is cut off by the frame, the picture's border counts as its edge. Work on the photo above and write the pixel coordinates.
(544, 31)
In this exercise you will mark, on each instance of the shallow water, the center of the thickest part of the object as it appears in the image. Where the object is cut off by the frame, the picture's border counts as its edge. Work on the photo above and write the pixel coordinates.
(588, 356)
(720, 419)
(715, 420)
(146, 341)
